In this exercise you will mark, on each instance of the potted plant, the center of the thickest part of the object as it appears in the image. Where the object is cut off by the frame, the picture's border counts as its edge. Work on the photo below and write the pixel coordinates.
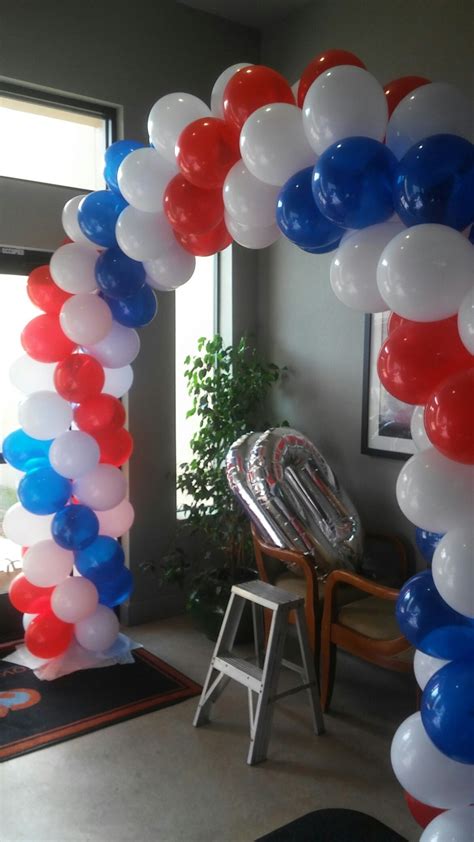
(228, 386)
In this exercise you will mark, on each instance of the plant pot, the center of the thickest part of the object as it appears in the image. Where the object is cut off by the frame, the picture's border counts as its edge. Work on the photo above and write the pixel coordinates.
(208, 600)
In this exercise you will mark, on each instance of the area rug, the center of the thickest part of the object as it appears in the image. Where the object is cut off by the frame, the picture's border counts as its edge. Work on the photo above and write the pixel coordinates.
(331, 825)
(35, 714)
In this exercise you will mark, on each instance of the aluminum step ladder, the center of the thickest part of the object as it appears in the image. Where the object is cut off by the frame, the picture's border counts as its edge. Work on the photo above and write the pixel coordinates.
(260, 679)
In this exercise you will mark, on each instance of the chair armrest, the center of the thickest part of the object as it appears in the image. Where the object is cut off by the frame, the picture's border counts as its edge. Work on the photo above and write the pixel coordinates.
(300, 560)
(347, 578)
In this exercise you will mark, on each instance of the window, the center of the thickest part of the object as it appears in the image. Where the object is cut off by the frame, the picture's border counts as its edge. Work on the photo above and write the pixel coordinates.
(58, 143)
(196, 315)
(51, 148)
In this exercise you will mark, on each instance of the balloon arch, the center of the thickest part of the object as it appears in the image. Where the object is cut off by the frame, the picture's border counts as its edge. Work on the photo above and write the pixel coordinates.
(382, 177)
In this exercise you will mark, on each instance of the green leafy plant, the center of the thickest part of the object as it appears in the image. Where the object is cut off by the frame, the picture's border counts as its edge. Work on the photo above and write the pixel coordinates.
(228, 386)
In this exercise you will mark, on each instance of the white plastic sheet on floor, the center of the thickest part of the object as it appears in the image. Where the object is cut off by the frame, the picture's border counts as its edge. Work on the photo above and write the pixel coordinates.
(75, 658)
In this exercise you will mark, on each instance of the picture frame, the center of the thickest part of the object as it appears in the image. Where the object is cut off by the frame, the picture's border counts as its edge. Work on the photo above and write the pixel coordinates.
(385, 419)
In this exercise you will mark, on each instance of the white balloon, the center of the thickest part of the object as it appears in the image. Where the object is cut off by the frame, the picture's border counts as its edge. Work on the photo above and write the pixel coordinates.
(466, 321)
(118, 381)
(436, 493)
(452, 826)
(98, 631)
(344, 102)
(102, 488)
(46, 563)
(71, 224)
(74, 599)
(418, 430)
(437, 108)
(251, 237)
(425, 666)
(353, 271)
(273, 144)
(29, 375)
(453, 569)
(25, 528)
(72, 268)
(142, 178)
(118, 348)
(249, 200)
(26, 620)
(428, 775)
(169, 116)
(44, 415)
(217, 95)
(85, 318)
(171, 270)
(74, 453)
(117, 521)
(425, 271)
(143, 236)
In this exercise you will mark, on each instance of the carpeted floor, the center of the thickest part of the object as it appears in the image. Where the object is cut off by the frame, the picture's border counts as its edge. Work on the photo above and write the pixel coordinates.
(156, 778)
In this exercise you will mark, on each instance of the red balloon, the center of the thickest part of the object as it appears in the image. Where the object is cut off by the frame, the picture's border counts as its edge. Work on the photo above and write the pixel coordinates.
(394, 321)
(44, 292)
(99, 413)
(417, 356)
(190, 209)
(322, 62)
(47, 636)
(251, 88)
(116, 446)
(206, 151)
(78, 377)
(27, 598)
(449, 417)
(422, 813)
(203, 245)
(398, 89)
(44, 341)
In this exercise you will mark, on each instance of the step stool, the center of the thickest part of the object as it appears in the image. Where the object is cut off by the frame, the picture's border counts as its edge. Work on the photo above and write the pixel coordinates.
(260, 679)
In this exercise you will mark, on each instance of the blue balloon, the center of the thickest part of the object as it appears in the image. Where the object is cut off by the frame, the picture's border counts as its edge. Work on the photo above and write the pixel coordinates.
(101, 560)
(136, 311)
(43, 491)
(325, 249)
(434, 182)
(97, 216)
(427, 543)
(114, 156)
(117, 589)
(430, 624)
(447, 710)
(353, 182)
(298, 217)
(117, 275)
(23, 452)
(75, 527)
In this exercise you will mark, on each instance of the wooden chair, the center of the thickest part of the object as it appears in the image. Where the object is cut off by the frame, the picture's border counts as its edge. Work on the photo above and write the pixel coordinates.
(366, 628)
(346, 609)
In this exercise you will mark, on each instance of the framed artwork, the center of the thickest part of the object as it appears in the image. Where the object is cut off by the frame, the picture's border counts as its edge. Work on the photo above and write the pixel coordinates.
(385, 420)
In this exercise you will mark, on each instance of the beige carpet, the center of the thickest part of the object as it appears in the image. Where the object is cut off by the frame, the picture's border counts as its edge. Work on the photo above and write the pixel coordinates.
(157, 779)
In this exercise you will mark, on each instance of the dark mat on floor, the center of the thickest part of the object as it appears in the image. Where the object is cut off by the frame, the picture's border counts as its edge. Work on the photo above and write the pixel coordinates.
(334, 825)
(35, 714)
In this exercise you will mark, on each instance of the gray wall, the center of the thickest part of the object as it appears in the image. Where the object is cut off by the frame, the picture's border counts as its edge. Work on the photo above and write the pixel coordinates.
(300, 321)
(129, 55)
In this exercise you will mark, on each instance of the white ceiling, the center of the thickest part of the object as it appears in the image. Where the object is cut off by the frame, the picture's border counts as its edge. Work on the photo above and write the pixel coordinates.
(256, 13)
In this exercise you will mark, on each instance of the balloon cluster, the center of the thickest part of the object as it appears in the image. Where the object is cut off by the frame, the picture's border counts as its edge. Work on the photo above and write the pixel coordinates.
(384, 177)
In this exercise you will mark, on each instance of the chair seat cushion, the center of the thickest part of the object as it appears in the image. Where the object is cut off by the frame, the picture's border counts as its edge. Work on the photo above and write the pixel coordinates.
(297, 585)
(372, 617)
